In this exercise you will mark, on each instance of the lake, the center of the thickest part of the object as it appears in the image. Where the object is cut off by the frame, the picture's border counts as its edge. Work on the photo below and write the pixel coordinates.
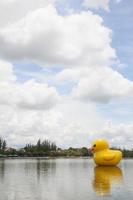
(64, 179)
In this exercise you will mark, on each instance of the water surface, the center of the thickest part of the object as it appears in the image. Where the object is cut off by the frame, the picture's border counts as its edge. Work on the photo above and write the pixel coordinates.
(64, 179)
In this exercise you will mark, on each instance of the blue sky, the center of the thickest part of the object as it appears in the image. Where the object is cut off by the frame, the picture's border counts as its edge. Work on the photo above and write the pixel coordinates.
(119, 19)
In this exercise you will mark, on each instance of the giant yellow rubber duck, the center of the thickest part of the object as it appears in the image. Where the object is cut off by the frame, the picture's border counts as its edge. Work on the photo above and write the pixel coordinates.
(103, 155)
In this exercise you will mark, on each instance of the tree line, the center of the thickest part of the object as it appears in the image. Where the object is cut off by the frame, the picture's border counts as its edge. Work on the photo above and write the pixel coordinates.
(44, 148)
(41, 148)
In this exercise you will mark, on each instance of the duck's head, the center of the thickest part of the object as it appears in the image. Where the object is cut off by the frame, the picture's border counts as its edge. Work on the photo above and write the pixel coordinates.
(99, 145)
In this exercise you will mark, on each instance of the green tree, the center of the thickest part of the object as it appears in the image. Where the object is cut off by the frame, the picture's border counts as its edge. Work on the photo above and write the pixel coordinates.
(84, 151)
(0, 143)
(39, 144)
(3, 145)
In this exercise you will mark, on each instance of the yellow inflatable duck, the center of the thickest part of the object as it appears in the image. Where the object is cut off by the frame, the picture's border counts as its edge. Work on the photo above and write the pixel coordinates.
(105, 177)
(103, 155)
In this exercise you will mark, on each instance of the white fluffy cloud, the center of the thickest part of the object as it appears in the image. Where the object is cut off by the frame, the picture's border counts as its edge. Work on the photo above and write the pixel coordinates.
(45, 36)
(70, 123)
(96, 4)
(120, 135)
(79, 40)
(6, 72)
(17, 9)
(29, 95)
(97, 85)
(24, 107)
(102, 85)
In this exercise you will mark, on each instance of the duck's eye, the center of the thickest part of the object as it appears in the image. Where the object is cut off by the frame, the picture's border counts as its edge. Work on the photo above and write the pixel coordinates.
(94, 145)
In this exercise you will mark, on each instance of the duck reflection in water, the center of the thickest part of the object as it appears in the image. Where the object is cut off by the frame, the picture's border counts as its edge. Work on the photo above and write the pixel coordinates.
(104, 178)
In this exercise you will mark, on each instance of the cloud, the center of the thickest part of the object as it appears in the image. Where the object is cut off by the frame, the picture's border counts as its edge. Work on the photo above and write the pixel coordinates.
(99, 85)
(17, 9)
(96, 4)
(30, 95)
(68, 124)
(120, 135)
(6, 72)
(24, 107)
(45, 36)
(30, 110)
(102, 85)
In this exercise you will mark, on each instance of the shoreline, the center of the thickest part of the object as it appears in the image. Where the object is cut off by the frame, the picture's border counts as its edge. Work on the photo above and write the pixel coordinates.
(52, 158)
(47, 157)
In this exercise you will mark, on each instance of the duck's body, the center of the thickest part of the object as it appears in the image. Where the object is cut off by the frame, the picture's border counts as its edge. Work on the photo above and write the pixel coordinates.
(107, 157)
(103, 155)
